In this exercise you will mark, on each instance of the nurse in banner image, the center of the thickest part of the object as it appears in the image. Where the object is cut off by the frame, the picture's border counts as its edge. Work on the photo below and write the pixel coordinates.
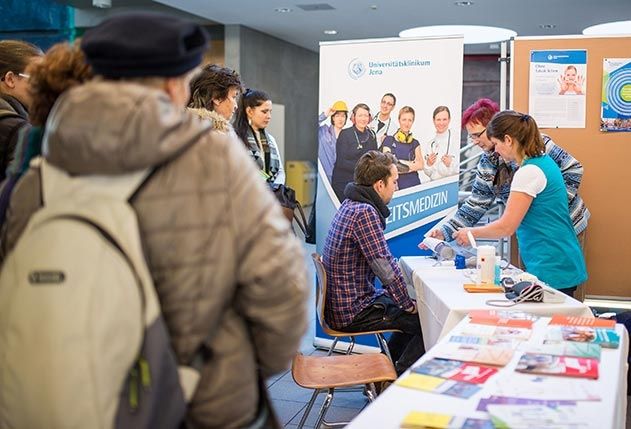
(570, 82)
(327, 135)
(441, 152)
(406, 149)
(351, 144)
(383, 124)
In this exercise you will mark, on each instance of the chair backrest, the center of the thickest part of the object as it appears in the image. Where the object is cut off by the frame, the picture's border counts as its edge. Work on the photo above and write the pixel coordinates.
(320, 289)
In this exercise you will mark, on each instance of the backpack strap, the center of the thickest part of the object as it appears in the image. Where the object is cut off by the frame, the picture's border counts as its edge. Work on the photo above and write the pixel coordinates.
(56, 183)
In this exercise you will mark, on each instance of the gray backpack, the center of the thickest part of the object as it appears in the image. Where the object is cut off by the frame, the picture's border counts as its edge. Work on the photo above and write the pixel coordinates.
(82, 339)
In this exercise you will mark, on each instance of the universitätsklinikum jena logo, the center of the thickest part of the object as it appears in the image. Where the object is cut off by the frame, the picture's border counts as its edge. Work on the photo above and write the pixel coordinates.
(356, 68)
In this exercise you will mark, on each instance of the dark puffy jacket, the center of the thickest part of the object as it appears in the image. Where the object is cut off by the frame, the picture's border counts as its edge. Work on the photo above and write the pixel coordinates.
(13, 117)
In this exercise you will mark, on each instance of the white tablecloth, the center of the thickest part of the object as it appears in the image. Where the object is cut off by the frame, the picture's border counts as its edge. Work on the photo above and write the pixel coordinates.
(396, 402)
(442, 301)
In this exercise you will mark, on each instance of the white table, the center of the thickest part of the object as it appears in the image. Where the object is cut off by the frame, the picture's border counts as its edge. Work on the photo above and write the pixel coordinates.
(390, 408)
(442, 301)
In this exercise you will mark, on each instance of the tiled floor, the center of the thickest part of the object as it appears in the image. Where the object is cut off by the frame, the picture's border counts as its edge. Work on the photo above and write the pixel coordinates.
(290, 400)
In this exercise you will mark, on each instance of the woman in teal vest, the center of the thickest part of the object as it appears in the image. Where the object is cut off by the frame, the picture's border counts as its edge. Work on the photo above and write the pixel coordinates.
(537, 208)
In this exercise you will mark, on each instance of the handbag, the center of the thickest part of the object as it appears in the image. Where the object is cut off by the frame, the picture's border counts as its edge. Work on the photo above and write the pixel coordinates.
(292, 209)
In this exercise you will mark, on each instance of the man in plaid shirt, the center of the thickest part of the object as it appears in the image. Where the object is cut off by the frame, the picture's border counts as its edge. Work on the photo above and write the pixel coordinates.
(355, 252)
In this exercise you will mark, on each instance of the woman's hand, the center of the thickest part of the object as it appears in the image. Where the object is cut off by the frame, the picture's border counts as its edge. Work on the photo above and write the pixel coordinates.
(563, 84)
(578, 85)
(461, 236)
(437, 233)
(447, 159)
(431, 159)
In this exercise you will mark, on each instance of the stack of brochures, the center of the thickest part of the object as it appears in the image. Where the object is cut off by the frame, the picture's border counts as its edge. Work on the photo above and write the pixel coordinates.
(555, 371)
(421, 420)
(583, 330)
(448, 377)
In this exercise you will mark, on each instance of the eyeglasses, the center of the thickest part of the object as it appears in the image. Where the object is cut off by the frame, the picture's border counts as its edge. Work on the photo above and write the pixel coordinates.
(475, 136)
(24, 75)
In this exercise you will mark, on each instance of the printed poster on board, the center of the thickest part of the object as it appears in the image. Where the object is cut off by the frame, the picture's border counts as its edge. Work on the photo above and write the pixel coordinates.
(557, 88)
(615, 112)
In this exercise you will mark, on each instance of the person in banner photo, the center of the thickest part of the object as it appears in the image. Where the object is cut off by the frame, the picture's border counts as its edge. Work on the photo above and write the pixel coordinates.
(537, 208)
(351, 144)
(441, 158)
(328, 134)
(382, 124)
(570, 82)
(406, 149)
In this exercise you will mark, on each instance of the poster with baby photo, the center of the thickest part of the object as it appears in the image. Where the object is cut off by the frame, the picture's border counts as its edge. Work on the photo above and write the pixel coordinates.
(557, 88)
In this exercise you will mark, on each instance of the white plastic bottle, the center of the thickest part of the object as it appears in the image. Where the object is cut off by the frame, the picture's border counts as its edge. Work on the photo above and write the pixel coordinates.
(486, 264)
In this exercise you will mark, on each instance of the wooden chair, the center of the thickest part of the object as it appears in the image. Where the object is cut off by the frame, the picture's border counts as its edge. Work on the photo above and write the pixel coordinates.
(321, 300)
(326, 373)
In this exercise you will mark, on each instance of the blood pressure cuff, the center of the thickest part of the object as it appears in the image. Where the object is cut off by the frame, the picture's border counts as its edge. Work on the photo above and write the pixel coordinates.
(525, 292)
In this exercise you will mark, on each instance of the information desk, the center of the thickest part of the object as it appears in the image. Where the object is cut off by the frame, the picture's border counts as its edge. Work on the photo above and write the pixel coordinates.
(391, 407)
(442, 302)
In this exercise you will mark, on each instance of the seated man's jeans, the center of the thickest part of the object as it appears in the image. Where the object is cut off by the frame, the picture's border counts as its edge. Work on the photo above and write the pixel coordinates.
(406, 347)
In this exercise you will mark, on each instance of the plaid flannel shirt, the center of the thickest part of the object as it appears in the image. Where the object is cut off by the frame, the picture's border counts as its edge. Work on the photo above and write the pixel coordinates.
(355, 250)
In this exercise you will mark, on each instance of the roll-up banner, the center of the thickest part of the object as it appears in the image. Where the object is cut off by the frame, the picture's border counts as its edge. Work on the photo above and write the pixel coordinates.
(407, 98)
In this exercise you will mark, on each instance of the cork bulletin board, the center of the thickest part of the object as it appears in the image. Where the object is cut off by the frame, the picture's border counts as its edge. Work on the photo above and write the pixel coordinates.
(606, 157)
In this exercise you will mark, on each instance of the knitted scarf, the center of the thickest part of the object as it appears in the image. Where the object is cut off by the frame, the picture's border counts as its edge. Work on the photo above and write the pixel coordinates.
(368, 195)
(264, 153)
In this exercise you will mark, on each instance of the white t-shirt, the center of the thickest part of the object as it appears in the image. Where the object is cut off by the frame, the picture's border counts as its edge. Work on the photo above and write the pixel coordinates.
(530, 180)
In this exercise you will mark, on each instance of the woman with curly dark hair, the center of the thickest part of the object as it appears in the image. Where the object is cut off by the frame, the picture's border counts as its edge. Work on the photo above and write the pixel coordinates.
(214, 93)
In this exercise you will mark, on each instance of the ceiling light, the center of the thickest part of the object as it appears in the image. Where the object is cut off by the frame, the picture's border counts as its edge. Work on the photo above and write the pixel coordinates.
(283, 9)
(473, 34)
(547, 26)
(619, 27)
(330, 32)
(463, 3)
(102, 4)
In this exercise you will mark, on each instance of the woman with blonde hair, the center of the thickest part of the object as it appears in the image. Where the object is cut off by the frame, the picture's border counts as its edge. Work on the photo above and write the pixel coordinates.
(406, 149)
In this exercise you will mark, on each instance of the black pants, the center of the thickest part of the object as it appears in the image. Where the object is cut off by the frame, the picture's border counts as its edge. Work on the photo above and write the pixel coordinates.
(569, 291)
(406, 347)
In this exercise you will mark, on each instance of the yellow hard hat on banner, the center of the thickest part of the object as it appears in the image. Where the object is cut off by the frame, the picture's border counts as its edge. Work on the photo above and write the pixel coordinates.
(340, 106)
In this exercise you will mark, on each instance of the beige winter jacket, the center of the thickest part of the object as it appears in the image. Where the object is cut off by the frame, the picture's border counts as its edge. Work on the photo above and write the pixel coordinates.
(223, 258)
